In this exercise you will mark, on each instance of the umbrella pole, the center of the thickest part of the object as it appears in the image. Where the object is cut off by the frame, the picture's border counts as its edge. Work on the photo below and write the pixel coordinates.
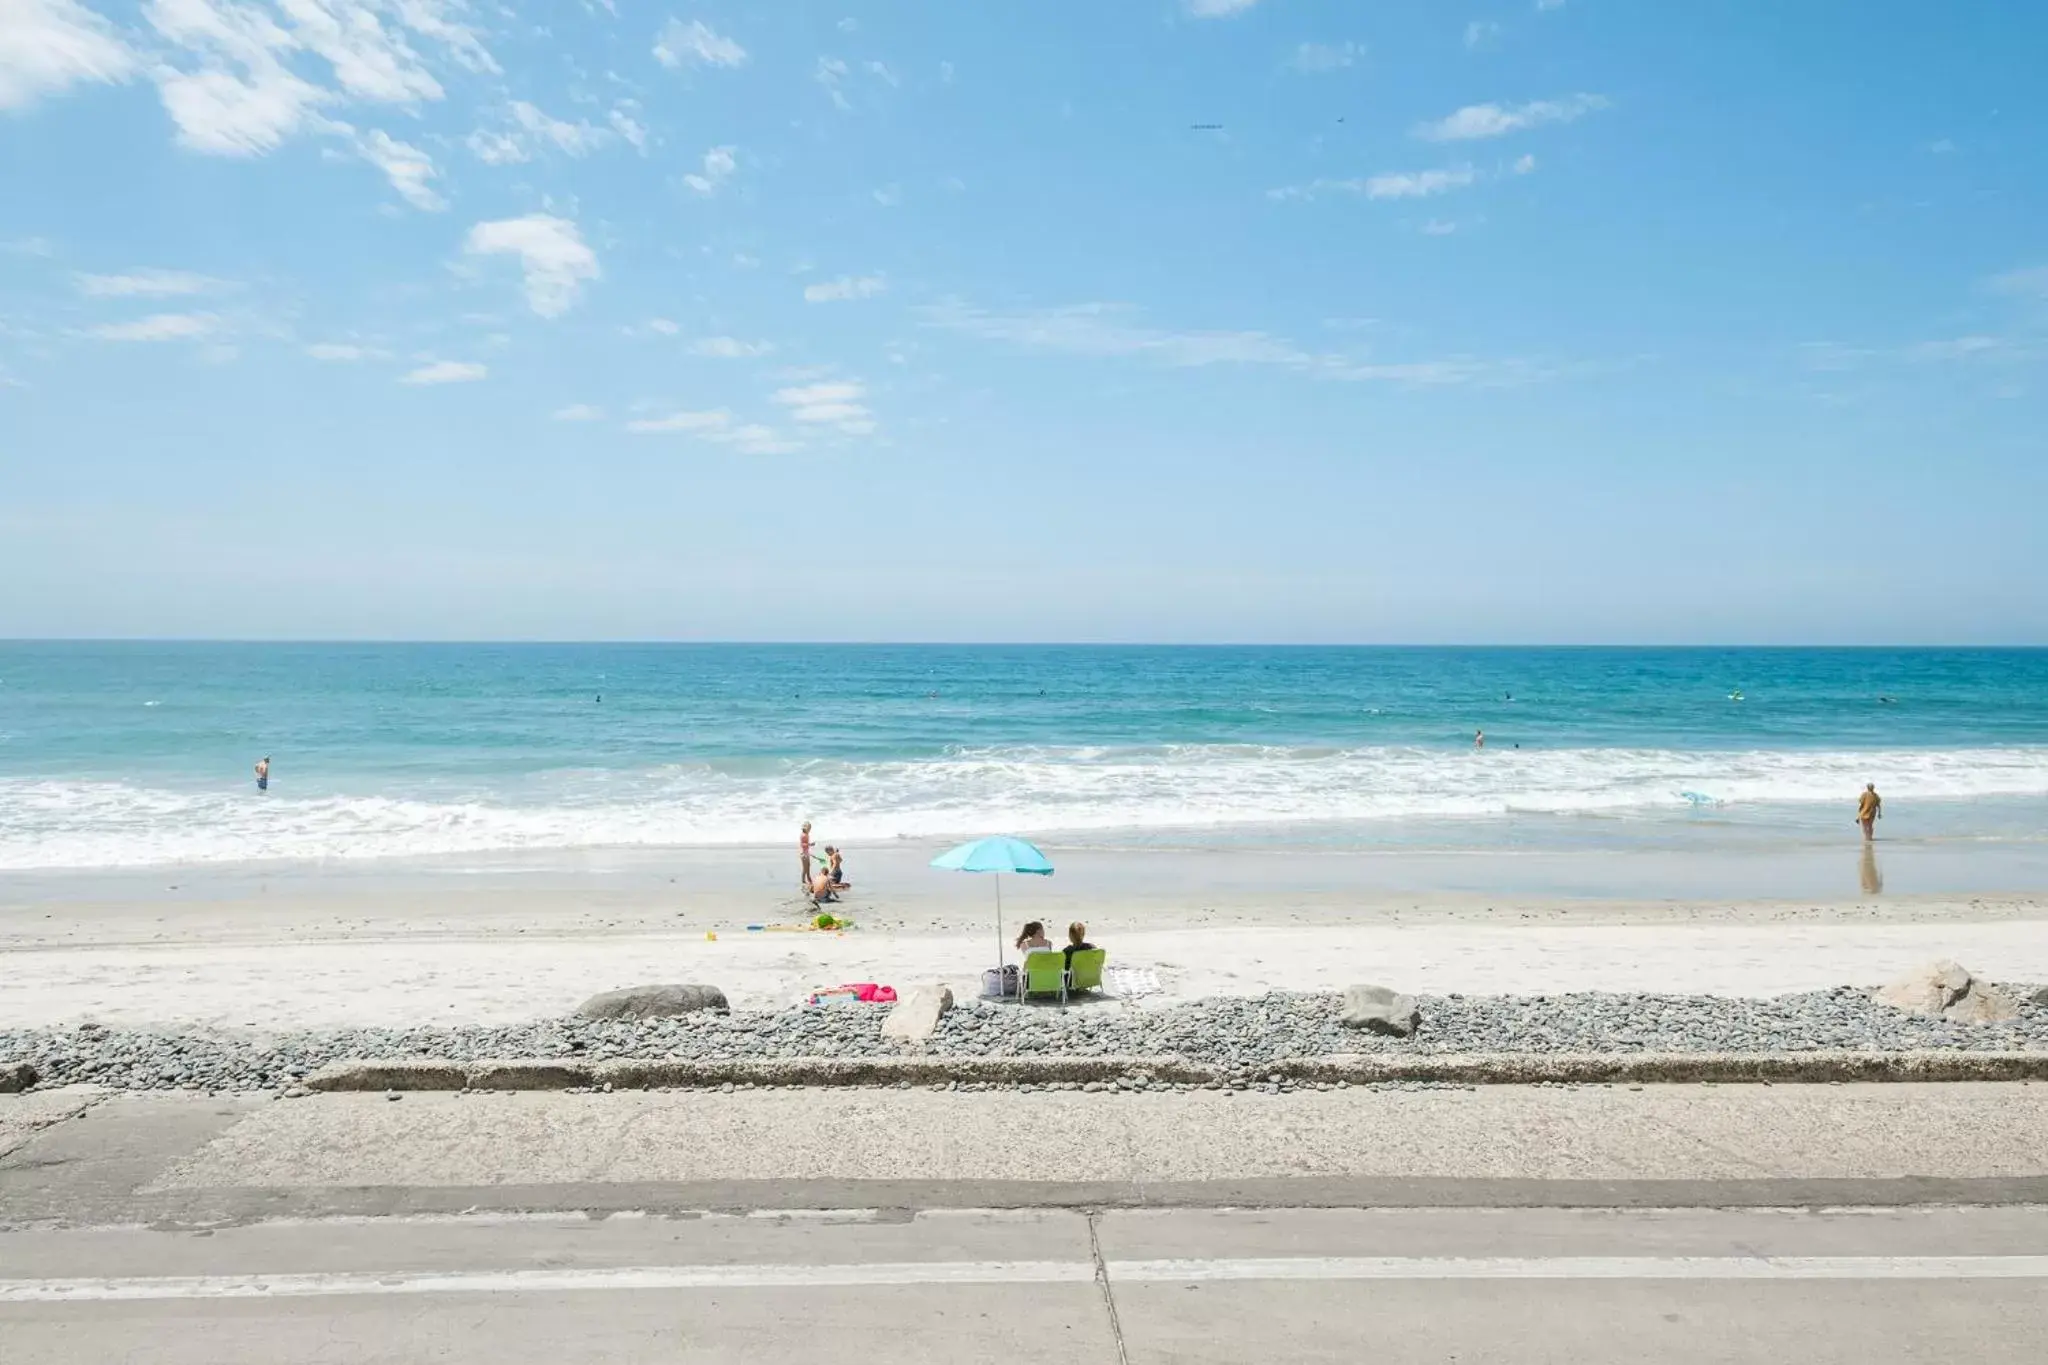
(999, 936)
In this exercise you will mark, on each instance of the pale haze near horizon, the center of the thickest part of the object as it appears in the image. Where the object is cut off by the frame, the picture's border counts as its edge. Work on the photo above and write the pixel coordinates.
(1547, 323)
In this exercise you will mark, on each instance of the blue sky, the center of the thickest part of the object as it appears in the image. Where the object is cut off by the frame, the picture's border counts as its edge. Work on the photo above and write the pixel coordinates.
(1516, 321)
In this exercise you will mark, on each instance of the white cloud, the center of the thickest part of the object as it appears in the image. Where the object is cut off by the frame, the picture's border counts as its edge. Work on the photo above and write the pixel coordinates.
(48, 46)
(1525, 163)
(837, 402)
(754, 439)
(844, 288)
(152, 284)
(719, 164)
(551, 253)
(160, 327)
(1325, 56)
(681, 421)
(409, 169)
(1941, 146)
(663, 327)
(446, 372)
(2030, 283)
(1438, 227)
(1480, 32)
(341, 352)
(1418, 184)
(629, 128)
(227, 75)
(1103, 329)
(694, 44)
(530, 130)
(1544, 5)
(880, 71)
(716, 425)
(1217, 9)
(1493, 120)
(730, 348)
(1100, 329)
(829, 72)
(889, 196)
(579, 412)
(1387, 185)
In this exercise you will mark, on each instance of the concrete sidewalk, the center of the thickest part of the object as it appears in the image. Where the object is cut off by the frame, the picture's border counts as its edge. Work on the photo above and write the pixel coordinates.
(180, 1159)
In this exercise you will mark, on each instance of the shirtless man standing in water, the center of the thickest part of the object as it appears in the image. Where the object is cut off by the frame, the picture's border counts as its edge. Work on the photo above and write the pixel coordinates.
(1869, 810)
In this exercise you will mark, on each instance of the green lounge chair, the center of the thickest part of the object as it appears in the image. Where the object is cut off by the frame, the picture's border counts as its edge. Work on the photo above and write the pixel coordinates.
(1045, 973)
(1048, 972)
(1084, 970)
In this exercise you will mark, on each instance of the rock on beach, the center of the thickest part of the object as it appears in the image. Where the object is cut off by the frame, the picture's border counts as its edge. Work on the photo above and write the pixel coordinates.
(1381, 1010)
(652, 1002)
(1947, 990)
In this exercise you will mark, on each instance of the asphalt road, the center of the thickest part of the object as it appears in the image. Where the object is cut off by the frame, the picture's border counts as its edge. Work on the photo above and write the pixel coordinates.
(1588, 1287)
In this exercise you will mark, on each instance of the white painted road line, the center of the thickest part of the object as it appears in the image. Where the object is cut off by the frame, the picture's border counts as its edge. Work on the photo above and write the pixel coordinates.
(944, 1273)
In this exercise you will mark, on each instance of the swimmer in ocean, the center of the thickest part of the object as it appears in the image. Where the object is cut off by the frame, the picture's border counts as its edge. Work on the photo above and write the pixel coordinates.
(263, 773)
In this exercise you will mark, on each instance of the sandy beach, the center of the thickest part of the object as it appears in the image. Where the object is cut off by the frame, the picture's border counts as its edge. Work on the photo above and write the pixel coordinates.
(485, 943)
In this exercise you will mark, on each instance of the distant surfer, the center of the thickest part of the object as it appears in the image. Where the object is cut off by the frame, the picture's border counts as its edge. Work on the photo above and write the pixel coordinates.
(1869, 810)
(1479, 739)
(263, 773)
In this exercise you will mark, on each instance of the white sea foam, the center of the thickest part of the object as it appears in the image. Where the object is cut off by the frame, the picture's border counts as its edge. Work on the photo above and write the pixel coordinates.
(49, 823)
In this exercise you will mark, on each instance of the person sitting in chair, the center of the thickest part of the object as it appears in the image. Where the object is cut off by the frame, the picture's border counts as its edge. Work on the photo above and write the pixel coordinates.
(1033, 937)
(1077, 941)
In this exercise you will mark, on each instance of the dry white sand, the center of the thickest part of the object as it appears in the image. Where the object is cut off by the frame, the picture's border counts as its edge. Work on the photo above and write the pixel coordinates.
(283, 948)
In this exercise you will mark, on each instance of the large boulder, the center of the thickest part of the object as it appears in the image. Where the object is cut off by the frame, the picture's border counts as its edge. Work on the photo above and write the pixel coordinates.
(652, 1002)
(16, 1077)
(2039, 996)
(1947, 990)
(917, 1011)
(1380, 1010)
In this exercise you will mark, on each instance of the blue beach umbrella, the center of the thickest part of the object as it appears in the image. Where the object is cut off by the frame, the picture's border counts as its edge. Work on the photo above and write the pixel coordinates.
(998, 853)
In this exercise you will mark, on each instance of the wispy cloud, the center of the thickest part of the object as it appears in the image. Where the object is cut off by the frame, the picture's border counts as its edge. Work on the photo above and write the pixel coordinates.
(1101, 330)
(552, 256)
(159, 327)
(719, 164)
(717, 426)
(695, 44)
(2028, 283)
(708, 420)
(834, 402)
(845, 288)
(1482, 33)
(1319, 57)
(1387, 185)
(830, 73)
(730, 348)
(1524, 164)
(152, 284)
(578, 412)
(233, 76)
(1495, 120)
(343, 352)
(445, 372)
(48, 46)
(526, 130)
(1216, 9)
(410, 170)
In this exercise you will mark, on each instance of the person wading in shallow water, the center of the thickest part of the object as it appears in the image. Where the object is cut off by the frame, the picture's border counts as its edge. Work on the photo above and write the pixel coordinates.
(803, 853)
(263, 773)
(1869, 810)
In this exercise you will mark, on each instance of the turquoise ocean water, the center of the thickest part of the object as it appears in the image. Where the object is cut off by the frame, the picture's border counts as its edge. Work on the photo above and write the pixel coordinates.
(132, 754)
